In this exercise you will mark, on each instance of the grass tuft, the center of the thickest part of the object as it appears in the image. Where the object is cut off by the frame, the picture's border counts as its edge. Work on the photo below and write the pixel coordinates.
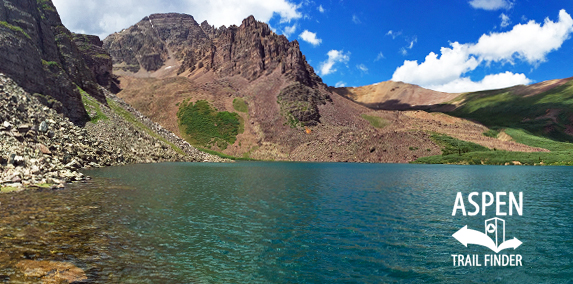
(376, 121)
(91, 105)
(240, 105)
(14, 28)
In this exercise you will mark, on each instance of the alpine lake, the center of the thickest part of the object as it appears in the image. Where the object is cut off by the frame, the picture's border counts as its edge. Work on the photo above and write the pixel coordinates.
(275, 222)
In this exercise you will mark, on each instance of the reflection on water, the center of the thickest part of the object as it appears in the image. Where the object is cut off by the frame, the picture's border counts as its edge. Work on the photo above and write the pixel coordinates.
(285, 223)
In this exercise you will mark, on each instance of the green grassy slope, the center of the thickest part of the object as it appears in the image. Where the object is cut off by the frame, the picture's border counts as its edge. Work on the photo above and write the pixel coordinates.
(455, 151)
(504, 109)
(537, 120)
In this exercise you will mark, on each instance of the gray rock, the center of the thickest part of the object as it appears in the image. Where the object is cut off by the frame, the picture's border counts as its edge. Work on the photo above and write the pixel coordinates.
(23, 128)
(43, 127)
(19, 161)
(21, 107)
(18, 136)
(11, 159)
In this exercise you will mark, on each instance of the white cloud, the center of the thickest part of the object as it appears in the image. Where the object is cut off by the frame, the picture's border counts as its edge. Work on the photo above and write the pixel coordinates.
(529, 42)
(103, 17)
(379, 56)
(320, 9)
(340, 84)
(334, 56)
(491, 4)
(393, 34)
(495, 81)
(454, 62)
(404, 50)
(310, 37)
(362, 68)
(288, 31)
(414, 40)
(505, 21)
(356, 20)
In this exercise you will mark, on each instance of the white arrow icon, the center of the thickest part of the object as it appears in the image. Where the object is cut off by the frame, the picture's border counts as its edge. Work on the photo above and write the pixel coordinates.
(468, 236)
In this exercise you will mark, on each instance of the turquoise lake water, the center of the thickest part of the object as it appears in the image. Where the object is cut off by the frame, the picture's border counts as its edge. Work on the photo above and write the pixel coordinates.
(258, 222)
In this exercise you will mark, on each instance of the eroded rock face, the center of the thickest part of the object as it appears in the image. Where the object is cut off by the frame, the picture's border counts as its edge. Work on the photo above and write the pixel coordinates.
(301, 102)
(251, 50)
(148, 43)
(39, 53)
(98, 60)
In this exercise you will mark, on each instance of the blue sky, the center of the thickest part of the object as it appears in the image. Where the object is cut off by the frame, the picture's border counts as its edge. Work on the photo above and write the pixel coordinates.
(448, 45)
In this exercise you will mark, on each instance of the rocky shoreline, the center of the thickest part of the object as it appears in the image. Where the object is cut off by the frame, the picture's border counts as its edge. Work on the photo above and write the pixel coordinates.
(42, 148)
(166, 134)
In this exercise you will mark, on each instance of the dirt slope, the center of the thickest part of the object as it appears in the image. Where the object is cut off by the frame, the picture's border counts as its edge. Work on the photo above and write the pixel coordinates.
(390, 95)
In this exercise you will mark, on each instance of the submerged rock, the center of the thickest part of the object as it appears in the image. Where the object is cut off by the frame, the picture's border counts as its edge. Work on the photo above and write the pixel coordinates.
(52, 271)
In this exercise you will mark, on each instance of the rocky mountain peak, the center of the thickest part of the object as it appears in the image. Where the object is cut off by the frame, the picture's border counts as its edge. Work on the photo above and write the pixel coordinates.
(209, 30)
(250, 50)
(151, 42)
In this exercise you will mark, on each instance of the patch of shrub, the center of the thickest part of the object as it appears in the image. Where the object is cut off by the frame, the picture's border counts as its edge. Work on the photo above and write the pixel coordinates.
(491, 133)
(452, 145)
(203, 125)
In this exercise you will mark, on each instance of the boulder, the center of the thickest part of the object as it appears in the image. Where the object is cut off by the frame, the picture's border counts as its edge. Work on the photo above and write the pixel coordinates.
(52, 271)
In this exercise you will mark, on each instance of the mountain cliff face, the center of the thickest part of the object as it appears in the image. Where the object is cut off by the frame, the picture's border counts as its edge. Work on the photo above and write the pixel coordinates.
(250, 50)
(151, 42)
(98, 60)
(39, 53)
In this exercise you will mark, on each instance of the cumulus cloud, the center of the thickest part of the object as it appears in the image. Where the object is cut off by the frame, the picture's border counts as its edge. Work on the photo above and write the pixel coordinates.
(505, 21)
(103, 17)
(340, 84)
(334, 56)
(320, 9)
(310, 37)
(529, 42)
(435, 70)
(491, 4)
(495, 81)
(288, 31)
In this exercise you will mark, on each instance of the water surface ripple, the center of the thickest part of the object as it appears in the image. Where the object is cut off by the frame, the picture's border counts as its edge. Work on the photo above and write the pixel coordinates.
(257, 222)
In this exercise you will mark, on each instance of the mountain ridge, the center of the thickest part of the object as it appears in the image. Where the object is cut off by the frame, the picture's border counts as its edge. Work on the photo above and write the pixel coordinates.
(290, 113)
